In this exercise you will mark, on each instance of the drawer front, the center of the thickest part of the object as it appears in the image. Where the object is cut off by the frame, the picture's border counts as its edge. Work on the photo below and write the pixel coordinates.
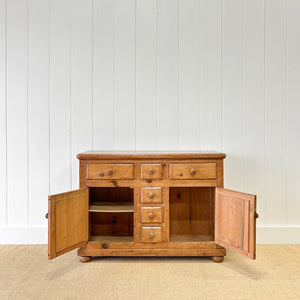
(151, 215)
(151, 195)
(151, 171)
(151, 234)
(110, 171)
(193, 171)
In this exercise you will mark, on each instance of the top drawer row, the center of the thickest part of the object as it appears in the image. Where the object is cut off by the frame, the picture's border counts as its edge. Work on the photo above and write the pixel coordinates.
(152, 171)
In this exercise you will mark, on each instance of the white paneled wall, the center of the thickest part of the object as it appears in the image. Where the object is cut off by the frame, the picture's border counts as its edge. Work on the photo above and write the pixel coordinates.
(218, 75)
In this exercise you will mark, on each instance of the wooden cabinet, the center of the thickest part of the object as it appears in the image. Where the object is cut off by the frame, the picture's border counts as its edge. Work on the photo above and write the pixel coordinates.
(152, 204)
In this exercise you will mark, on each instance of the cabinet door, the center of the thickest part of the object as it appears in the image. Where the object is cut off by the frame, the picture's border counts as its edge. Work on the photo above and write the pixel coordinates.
(235, 221)
(67, 221)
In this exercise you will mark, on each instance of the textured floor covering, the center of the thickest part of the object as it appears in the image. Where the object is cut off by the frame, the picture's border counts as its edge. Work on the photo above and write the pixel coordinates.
(25, 273)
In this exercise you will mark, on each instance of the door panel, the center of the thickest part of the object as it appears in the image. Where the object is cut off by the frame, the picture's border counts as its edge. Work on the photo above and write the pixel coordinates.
(235, 223)
(67, 221)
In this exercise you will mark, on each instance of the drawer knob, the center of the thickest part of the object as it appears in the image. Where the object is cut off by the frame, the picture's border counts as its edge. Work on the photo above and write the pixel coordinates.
(151, 195)
(256, 215)
(151, 171)
(110, 172)
(193, 171)
(46, 215)
(151, 235)
(151, 215)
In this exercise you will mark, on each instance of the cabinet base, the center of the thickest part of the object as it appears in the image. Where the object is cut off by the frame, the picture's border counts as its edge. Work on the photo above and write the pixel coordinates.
(216, 253)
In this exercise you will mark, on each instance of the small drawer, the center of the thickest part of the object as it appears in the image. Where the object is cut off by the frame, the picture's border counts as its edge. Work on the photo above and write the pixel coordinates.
(151, 171)
(151, 234)
(193, 171)
(110, 171)
(151, 215)
(151, 195)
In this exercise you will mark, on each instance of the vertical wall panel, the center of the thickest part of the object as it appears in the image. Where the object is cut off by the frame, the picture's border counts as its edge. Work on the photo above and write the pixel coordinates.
(275, 89)
(210, 82)
(38, 101)
(146, 75)
(232, 92)
(124, 74)
(60, 97)
(103, 74)
(3, 112)
(17, 154)
(168, 74)
(81, 83)
(189, 75)
(293, 102)
(253, 94)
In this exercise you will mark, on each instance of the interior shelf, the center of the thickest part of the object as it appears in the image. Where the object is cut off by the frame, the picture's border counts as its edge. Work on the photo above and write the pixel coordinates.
(191, 238)
(111, 239)
(111, 207)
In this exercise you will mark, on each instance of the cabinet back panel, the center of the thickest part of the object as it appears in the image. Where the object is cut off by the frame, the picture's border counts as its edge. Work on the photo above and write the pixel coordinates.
(108, 194)
(191, 211)
(103, 224)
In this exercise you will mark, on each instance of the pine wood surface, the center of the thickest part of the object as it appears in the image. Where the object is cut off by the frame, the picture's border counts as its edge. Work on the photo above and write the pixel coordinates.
(160, 204)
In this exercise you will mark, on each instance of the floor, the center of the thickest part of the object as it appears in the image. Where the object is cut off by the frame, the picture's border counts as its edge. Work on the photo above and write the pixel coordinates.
(25, 273)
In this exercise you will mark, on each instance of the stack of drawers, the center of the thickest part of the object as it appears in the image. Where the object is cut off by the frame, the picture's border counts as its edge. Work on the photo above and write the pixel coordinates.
(152, 206)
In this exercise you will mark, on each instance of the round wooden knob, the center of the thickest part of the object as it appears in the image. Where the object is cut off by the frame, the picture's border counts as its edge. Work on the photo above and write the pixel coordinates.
(151, 171)
(151, 235)
(151, 215)
(151, 195)
(110, 172)
(193, 171)
(46, 215)
(256, 215)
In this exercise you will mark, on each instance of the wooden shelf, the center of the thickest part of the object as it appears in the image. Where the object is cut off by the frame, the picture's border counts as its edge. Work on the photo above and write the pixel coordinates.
(191, 238)
(111, 207)
(111, 239)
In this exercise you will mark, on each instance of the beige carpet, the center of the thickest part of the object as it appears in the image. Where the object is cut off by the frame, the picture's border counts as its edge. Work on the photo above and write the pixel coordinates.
(25, 273)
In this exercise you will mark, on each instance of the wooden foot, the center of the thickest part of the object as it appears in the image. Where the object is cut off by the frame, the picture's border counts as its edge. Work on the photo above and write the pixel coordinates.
(217, 259)
(85, 259)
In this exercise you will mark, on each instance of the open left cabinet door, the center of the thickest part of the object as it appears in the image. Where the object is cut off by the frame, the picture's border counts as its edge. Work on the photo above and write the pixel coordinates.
(235, 221)
(67, 221)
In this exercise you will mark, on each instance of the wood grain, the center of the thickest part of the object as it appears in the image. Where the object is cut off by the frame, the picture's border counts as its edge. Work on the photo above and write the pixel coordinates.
(235, 222)
(67, 221)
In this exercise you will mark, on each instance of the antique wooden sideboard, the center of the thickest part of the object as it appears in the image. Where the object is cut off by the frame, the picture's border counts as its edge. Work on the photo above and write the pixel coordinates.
(152, 204)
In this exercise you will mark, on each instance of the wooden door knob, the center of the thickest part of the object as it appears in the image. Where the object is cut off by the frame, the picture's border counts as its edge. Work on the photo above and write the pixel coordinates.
(110, 172)
(151, 215)
(151, 171)
(151, 195)
(46, 215)
(151, 235)
(193, 171)
(256, 215)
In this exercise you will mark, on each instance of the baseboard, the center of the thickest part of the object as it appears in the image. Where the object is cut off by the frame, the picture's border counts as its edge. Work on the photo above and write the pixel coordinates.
(24, 235)
(278, 235)
(39, 235)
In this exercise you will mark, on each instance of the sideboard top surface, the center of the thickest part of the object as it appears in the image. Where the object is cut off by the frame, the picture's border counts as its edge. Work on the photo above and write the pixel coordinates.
(151, 155)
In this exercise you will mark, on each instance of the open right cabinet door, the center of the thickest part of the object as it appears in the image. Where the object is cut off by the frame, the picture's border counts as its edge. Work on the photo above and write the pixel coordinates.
(235, 221)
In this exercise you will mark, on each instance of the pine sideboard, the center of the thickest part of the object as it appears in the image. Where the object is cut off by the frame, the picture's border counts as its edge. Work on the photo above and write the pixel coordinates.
(151, 204)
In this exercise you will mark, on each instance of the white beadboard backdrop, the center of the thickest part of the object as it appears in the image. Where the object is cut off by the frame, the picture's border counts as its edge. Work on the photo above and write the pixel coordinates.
(77, 75)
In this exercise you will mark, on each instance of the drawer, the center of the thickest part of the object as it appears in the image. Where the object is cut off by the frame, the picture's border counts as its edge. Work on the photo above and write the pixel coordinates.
(193, 171)
(151, 171)
(151, 234)
(151, 215)
(151, 195)
(110, 171)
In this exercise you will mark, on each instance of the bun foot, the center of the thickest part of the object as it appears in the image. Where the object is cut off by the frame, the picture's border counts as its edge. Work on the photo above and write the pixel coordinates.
(85, 259)
(217, 259)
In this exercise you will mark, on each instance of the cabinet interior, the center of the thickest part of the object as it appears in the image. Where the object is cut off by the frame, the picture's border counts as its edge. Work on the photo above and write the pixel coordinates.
(111, 214)
(191, 214)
